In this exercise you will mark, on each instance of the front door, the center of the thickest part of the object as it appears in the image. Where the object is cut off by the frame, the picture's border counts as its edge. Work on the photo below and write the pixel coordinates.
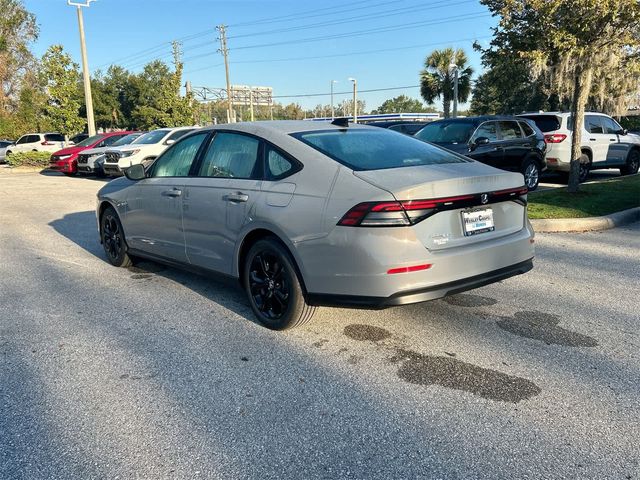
(153, 222)
(597, 140)
(618, 147)
(219, 198)
(516, 146)
(491, 153)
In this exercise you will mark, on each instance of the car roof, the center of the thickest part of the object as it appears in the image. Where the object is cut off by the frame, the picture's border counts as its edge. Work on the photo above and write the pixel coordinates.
(560, 113)
(478, 118)
(283, 126)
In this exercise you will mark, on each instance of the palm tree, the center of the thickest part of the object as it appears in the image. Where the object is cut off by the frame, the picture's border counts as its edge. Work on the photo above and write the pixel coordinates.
(437, 77)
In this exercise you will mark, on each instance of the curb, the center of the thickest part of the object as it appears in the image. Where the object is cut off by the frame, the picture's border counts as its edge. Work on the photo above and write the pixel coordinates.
(588, 224)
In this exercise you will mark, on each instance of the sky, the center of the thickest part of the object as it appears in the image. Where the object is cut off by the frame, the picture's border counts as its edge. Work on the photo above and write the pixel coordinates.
(296, 47)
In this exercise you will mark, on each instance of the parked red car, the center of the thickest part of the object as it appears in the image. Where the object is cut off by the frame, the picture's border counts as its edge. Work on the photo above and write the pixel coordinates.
(66, 160)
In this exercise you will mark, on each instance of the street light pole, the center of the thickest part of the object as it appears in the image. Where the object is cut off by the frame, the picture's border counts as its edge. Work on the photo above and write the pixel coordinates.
(86, 78)
(355, 99)
(454, 67)
(333, 115)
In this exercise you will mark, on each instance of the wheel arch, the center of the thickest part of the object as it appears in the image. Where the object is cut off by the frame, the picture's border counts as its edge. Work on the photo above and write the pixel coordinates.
(259, 233)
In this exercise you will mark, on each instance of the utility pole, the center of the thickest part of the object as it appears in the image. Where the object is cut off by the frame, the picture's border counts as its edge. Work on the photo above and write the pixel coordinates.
(333, 116)
(251, 102)
(355, 99)
(86, 78)
(225, 53)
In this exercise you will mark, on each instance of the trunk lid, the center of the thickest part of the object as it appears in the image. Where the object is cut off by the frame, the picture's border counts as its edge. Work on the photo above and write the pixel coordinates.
(444, 229)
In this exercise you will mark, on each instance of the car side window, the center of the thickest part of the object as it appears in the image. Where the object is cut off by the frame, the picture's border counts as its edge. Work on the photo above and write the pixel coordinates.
(488, 130)
(610, 125)
(22, 140)
(592, 124)
(177, 160)
(510, 130)
(231, 155)
(278, 166)
(526, 128)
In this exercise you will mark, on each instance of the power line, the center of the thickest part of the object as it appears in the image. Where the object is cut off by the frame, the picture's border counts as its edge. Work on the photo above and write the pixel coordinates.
(385, 13)
(293, 16)
(390, 28)
(365, 52)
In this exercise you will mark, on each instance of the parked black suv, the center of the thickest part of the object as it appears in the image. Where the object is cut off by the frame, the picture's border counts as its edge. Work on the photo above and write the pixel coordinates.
(402, 126)
(504, 142)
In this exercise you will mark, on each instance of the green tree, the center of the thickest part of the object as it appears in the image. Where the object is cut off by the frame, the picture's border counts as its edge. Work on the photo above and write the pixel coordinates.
(18, 29)
(158, 100)
(401, 104)
(437, 77)
(576, 45)
(61, 77)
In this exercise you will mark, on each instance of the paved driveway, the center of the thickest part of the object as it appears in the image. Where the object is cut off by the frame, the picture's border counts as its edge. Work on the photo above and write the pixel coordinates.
(155, 373)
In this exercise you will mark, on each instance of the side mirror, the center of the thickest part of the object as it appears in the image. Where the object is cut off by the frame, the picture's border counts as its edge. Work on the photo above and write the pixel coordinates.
(170, 142)
(135, 172)
(624, 131)
(478, 142)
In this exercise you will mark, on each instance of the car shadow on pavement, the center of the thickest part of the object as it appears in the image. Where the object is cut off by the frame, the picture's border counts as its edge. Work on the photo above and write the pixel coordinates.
(81, 229)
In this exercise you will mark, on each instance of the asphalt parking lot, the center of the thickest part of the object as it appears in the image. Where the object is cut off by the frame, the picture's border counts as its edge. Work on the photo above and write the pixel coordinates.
(152, 372)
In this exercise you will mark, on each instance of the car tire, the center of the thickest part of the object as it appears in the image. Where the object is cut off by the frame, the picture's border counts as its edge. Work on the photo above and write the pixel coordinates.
(585, 168)
(273, 286)
(633, 163)
(113, 241)
(531, 172)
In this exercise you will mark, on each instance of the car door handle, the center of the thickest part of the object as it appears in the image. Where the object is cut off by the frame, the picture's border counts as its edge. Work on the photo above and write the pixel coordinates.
(174, 192)
(612, 139)
(592, 139)
(237, 197)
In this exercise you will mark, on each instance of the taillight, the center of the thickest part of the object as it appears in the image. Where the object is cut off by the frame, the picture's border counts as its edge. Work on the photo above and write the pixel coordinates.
(413, 268)
(46, 143)
(409, 212)
(555, 137)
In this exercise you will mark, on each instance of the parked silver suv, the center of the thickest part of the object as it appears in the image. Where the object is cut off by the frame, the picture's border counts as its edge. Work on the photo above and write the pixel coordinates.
(605, 144)
(310, 213)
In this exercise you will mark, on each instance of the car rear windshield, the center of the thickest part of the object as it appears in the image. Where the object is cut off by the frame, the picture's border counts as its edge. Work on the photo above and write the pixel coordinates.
(89, 141)
(375, 149)
(447, 132)
(546, 123)
(152, 137)
(54, 137)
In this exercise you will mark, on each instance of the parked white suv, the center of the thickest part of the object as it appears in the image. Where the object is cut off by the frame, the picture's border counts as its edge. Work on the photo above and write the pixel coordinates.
(38, 142)
(605, 144)
(144, 150)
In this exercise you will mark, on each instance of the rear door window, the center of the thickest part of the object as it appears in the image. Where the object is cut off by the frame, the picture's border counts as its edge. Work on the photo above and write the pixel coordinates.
(277, 165)
(593, 124)
(509, 130)
(231, 155)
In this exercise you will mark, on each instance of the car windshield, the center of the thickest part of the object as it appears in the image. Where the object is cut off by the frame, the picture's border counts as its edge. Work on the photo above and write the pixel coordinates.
(375, 149)
(152, 137)
(546, 123)
(126, 140)
(447, 132)
(90, 141)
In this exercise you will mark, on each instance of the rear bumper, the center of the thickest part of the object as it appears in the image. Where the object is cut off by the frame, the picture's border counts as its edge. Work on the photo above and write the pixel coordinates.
(422, 294)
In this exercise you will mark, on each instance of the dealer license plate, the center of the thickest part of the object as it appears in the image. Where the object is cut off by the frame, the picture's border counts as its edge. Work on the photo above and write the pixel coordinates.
(475, 222)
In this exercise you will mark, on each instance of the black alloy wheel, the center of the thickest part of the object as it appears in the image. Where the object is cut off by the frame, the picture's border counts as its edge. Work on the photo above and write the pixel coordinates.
(633, 163)
(113, 242)
(272, 285)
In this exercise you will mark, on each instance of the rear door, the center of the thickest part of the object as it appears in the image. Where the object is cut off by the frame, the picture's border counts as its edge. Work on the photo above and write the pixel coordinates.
(493, 152)
(153, 222)
(598, 141)
(515, 145)
(219, 198)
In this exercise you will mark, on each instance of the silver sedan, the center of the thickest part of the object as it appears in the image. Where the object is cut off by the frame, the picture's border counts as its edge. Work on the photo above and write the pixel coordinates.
(306, 214)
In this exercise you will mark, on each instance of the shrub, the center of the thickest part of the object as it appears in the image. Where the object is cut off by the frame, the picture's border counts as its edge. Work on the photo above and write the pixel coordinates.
(29, 159)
